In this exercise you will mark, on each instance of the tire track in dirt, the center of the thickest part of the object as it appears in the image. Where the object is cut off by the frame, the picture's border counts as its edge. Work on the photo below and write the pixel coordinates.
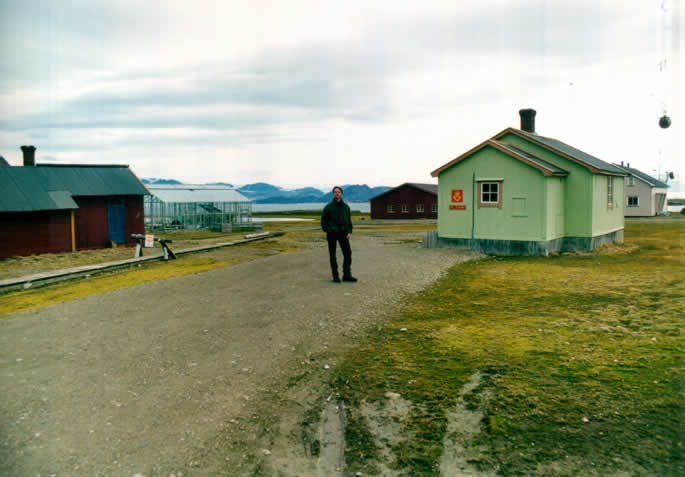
(167, 377)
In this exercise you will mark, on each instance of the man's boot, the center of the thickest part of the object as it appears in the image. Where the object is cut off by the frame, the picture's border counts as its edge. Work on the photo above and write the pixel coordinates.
(349, 278)
(336, 278)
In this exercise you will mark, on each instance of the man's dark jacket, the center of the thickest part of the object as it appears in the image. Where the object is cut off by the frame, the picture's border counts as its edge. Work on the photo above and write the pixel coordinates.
(336, 217)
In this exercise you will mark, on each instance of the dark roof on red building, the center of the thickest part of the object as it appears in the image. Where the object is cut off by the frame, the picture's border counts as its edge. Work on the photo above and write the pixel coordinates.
(430, 188)
(52, 187)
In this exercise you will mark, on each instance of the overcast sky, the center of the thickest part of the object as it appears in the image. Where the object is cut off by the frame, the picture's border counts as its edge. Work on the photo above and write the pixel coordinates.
(316, 93)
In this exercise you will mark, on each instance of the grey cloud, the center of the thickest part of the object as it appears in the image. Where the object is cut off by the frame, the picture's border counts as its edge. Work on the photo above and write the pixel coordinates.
(51, 146)
(44, 40)
(342, 80)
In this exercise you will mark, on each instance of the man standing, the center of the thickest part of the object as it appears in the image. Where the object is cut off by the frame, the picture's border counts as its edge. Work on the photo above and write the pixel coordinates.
(337, 223)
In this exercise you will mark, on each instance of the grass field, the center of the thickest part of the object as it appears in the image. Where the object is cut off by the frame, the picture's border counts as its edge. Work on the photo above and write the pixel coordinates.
(568, 365)
(578, 360)
(21, 266)
(31, 299)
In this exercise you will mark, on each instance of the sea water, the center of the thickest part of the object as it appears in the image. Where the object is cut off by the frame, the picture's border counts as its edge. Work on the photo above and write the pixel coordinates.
(354, 206)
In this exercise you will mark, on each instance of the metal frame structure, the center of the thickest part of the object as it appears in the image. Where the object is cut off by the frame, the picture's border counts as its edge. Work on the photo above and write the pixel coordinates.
(196, 207)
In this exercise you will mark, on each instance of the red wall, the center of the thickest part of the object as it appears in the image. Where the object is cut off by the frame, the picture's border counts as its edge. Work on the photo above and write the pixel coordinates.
(27, 233)
(135, 217)
(91, 220)
(405, 195)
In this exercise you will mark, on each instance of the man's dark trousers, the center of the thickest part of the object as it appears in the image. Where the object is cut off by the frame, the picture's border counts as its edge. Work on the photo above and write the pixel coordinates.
(341, 237)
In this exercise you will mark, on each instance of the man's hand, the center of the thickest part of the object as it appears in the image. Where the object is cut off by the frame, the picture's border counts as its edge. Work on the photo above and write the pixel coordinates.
(348, 236)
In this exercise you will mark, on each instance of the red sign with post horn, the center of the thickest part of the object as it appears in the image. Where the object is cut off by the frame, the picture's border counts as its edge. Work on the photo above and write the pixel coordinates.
(457, 196)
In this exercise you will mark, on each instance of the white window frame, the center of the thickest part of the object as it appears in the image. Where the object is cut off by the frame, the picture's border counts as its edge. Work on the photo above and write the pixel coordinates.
(405, 209)
(637, 201)
(419, 208)
(434, 208)
(390, 208)
(610, 192)
(631, 181)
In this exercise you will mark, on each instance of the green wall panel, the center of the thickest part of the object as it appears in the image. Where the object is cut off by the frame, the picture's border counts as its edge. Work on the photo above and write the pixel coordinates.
(523, 211)
(578, 187)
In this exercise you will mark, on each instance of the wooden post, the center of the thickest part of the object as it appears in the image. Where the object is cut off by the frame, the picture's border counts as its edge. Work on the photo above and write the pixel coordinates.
(73, 233)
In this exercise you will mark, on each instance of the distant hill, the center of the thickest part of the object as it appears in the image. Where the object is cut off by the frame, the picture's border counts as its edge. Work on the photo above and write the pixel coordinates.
(295, 199)
(259, 190)
(220, 183)
(264, 193)
(355, 193)
(153, 180)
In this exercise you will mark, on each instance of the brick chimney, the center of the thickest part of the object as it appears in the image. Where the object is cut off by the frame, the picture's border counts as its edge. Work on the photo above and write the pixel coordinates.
(29, 155)
(527, 120)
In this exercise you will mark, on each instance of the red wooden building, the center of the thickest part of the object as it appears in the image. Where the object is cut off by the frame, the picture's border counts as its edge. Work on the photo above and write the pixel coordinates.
(64, 208)
(407, 201)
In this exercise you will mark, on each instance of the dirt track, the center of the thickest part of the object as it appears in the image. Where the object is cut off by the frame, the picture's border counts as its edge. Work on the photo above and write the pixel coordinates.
(186, 376)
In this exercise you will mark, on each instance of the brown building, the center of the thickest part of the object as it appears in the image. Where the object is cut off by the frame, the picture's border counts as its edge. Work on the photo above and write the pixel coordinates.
(407, 201)
(64, 208)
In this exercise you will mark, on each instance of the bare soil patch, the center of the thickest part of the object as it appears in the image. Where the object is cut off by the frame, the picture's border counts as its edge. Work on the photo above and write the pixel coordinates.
(205, 374)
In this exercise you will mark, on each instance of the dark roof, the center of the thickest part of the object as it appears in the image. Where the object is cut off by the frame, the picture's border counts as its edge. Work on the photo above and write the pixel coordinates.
(429, 188)
(567, 150)
(541, 162)
(51, 187)
(646, 178)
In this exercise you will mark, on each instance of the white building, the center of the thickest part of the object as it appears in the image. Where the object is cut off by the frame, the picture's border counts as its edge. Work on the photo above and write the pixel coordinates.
(645, 196)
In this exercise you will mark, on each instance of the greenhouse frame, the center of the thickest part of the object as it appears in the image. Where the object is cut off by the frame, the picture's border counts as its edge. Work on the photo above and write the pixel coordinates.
(186, 206)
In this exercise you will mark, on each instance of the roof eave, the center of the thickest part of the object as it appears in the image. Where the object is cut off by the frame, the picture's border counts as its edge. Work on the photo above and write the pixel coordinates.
(493, 143)
(591, 168)
(388, 191)
(458, 159)
(141, 182)
(542, 168)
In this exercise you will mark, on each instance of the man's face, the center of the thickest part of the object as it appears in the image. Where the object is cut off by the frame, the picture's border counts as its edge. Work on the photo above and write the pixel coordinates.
(337, 194)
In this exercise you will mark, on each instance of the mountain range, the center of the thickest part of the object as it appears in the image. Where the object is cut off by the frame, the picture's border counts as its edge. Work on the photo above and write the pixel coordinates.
(263, 193)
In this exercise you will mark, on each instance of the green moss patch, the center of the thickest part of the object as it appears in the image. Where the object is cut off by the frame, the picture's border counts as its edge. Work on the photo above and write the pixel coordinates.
(59, 293)
(580, 355)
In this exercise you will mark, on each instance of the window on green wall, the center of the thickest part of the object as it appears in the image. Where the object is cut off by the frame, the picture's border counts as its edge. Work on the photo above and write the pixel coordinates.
(490, 194)
(610, 191)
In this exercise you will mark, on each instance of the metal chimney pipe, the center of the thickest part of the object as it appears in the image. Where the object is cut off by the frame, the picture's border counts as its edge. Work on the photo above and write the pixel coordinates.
(29, 155)
(527, 120)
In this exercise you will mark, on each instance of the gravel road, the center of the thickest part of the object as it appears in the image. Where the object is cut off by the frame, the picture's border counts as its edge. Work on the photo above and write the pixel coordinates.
(171, 377)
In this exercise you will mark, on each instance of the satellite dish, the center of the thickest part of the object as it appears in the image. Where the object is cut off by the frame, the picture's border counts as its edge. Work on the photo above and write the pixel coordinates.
(664, 121)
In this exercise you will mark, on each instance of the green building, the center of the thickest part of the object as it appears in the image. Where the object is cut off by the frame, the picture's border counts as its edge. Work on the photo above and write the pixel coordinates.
(520, 193)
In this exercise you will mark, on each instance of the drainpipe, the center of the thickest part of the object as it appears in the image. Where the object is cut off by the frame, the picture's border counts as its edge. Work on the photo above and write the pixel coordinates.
(473, 207)
(73, 233)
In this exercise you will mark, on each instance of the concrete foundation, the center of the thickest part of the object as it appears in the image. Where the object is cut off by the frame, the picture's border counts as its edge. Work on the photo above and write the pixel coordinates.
(522, 247)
